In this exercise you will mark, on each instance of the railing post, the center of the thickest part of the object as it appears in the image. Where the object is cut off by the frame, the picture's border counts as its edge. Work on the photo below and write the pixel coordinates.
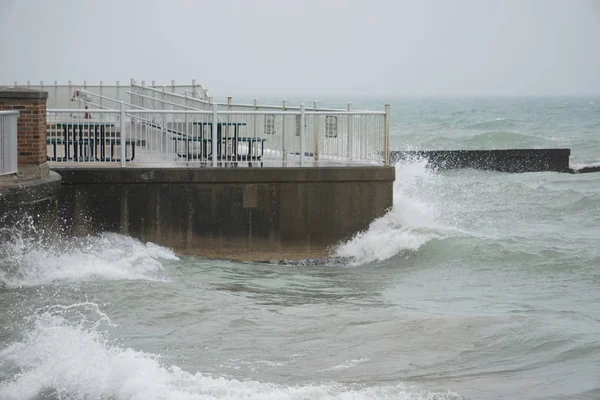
(164, 121)
(153, 96)
(186, 117)
(316, 124)
(142, 91)
(254, 119)
(350, 138)
(302, 123)
(54, 103)
(214, 134)
(101, 98)
(283, 152)
(70, 91)
(386, 155)
(122, 135)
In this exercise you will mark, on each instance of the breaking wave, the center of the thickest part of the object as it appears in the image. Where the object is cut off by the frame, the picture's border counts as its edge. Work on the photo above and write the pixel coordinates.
(31, 259)
(62, 357)
(413, 221)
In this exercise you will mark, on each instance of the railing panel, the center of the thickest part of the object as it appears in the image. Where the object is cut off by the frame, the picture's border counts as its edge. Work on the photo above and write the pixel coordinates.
(238, 138)
(8, 142)
(83, 136)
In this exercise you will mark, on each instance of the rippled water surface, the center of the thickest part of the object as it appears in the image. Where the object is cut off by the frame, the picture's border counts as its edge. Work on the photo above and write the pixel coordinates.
(476, 285)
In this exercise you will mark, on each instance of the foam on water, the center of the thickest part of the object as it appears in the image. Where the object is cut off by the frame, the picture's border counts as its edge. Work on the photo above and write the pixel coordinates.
(579, 166)
(412, 222)
(59, 358)
(32, 260)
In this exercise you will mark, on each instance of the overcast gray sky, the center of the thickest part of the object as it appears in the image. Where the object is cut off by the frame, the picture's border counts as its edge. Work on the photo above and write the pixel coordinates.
(310, 47)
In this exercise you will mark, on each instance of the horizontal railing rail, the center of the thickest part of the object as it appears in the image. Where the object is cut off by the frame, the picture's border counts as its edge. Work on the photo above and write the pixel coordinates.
(8, 142)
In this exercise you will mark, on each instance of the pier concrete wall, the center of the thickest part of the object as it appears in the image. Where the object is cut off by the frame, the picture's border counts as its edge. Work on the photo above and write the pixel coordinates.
(510, 160)
(237, 213)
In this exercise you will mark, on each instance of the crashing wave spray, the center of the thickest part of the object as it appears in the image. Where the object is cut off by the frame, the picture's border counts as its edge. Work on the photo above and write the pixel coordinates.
(412, 222)
(31, 258)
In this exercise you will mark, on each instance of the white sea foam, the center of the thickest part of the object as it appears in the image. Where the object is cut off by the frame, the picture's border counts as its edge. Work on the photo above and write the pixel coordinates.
(412, 221)
(26, 260)
(576, 166)
(349, 364)
(60, 358)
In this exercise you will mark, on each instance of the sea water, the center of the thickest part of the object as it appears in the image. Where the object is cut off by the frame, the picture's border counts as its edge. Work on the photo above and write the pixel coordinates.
(475, 285)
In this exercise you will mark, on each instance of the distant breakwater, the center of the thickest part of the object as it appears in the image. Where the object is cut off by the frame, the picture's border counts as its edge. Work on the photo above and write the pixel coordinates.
(508, 160)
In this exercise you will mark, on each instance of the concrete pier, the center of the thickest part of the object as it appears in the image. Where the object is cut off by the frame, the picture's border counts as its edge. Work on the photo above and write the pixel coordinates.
(253, 214)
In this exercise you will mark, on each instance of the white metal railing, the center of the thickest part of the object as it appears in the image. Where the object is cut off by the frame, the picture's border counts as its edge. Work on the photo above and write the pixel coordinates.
(274, 137)
(155, 97)
(61, 96)
(8, 142)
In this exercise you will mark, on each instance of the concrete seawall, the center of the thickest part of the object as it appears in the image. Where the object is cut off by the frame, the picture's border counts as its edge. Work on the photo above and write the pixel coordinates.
(248, 214)
(511, 160)
(34, 198)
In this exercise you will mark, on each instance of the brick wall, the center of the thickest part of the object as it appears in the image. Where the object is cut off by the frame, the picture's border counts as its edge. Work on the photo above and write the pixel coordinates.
(31, 128)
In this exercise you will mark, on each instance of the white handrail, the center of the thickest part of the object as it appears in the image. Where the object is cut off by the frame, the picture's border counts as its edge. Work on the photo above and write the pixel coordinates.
(153, 89)
(159, 100)
(104, 98)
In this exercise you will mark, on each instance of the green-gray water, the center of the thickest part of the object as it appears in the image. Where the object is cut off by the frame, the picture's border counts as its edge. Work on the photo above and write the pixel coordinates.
(477, 285)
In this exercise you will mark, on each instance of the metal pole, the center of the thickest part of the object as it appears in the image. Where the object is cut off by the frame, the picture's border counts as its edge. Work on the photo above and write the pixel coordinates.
(122, 135)
(386, 154)
(254, 120)
(164, 122)
(214, 134)
(283, 152)
(350, 132)
(101, 94)
(142, 92)
(302, 119)
(55, 102)
(186, 114)
(230, 150)
(316, 131)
